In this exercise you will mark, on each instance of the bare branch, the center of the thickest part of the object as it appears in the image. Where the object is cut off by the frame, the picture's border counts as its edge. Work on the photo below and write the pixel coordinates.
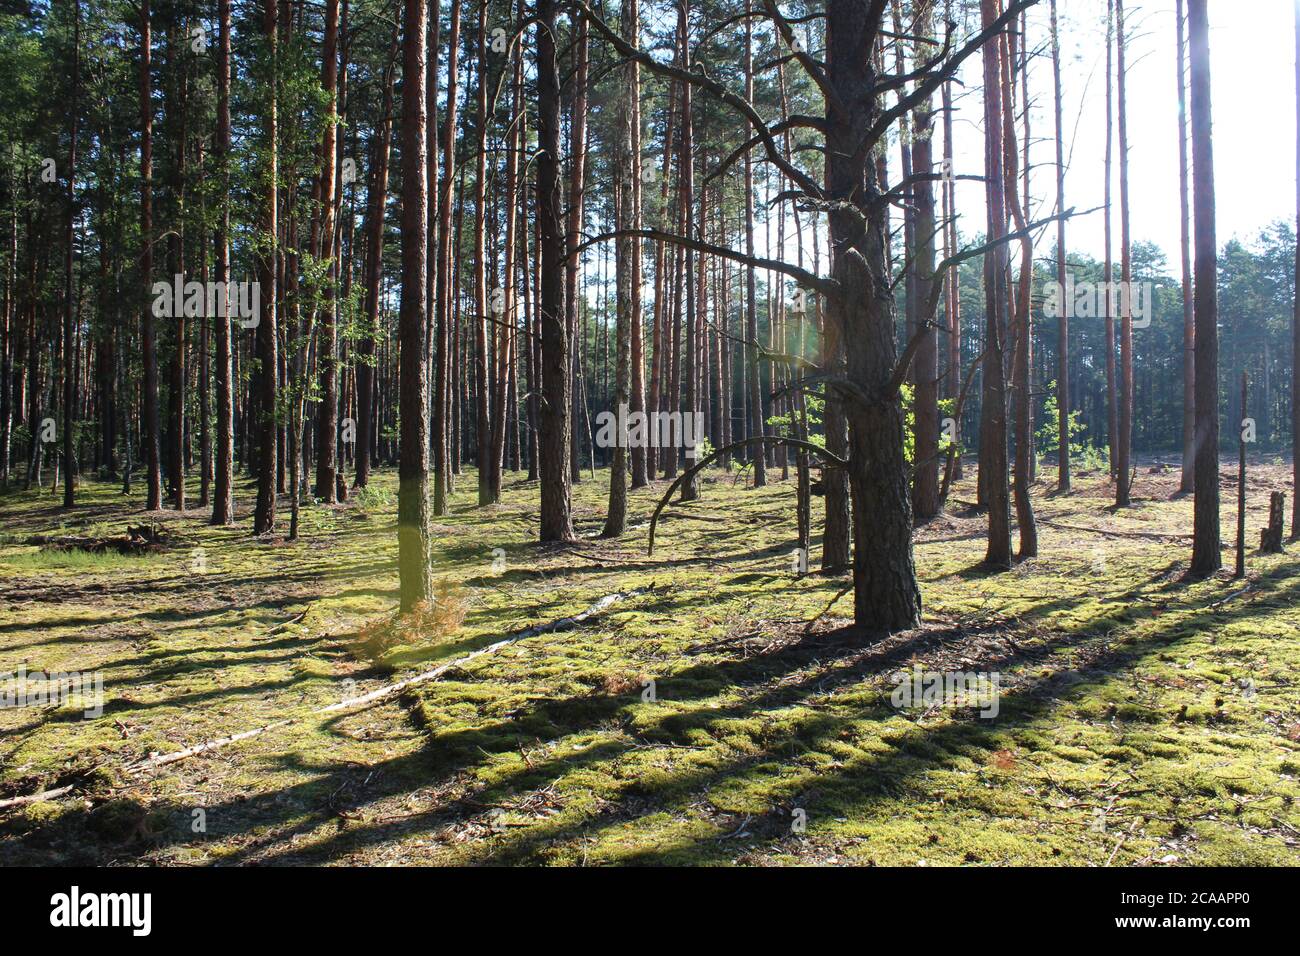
(691, 472)
(825, 286)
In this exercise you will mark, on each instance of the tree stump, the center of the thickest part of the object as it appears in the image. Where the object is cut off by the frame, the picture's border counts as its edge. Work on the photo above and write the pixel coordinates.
(1270, 537)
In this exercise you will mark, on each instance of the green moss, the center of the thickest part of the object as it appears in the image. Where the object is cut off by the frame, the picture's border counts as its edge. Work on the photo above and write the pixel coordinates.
(1124, 693)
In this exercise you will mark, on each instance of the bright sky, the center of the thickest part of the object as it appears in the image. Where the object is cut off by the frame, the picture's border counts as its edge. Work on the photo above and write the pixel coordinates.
(1252, 50)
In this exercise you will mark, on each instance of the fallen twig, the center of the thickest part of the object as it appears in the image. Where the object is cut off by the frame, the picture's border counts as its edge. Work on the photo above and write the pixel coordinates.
(36, 797)
(388, 690)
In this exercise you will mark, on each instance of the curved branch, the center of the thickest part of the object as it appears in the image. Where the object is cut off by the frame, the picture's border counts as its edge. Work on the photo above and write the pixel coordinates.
(828, 287)
(796, 121)
(695, 469)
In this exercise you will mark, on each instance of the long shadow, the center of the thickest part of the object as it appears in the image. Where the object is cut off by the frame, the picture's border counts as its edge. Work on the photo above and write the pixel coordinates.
(1031, 699)
(447, 754)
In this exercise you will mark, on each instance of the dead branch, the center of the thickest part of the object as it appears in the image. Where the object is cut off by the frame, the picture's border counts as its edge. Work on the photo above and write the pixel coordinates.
(696, 468)
(388, 690)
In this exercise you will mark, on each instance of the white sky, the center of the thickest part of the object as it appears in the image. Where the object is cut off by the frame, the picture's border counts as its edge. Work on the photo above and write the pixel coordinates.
(1252, 50)
(1254, 103)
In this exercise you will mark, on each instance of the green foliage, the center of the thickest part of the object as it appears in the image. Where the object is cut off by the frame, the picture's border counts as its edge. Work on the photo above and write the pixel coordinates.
(1047, 438)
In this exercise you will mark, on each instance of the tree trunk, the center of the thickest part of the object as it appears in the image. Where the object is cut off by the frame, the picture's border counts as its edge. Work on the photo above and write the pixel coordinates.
(686, 174)
(556, 379)
(1295, 321)
(1112, 427)
(445, 287)
(886, 595)
(149, 400)
(69, 301)
(1206, 552)
(327, 410)
(267, 344)
(1063, 320)
(1021, 321)
(1124, 442)
(376, 201)
(631, 22)
(1185, 258)
(993, 415)
(481, 382)
(1241, 482)
(627, 169)
(756, 423)
(574, 221)
(413, 467)
(925, 366)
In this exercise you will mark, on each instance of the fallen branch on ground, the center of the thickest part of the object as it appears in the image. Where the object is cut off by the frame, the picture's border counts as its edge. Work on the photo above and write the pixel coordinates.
(36, 797)
(1113, 533)
(365, 700)
(388, 690)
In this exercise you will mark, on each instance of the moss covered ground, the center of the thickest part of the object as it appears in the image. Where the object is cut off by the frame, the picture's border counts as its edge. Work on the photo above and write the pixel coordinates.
(724, 712)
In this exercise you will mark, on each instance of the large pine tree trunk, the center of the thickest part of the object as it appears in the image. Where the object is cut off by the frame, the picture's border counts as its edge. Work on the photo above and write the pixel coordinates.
(413, 384)
(886, 596)
(1206, 552)
(556, 379)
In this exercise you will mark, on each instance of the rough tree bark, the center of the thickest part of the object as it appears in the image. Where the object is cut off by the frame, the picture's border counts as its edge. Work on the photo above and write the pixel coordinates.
(553, 416)
(413, 385)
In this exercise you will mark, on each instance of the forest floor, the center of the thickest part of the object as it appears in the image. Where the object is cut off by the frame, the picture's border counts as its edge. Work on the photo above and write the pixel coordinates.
(1141, 719)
